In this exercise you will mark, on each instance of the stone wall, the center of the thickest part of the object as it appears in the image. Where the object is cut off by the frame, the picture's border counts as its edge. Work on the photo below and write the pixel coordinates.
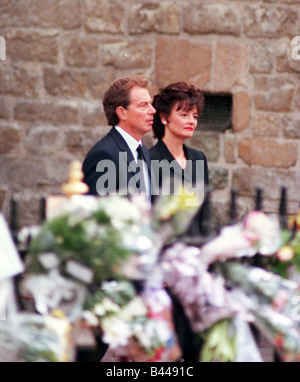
(62, 55)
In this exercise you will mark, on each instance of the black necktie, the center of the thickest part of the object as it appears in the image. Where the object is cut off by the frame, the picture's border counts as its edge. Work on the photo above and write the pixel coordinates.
(140, 152)
(141, 158)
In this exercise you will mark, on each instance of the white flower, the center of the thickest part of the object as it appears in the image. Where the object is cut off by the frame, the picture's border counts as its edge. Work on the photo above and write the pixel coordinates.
(116, 332)
(134, 308)
(143, 338)
(93, 230)
(263, 232)
(157, 330)
(49, 260)
(90, 318)
(78, 207)
(162, 330)
(157, 299)
(118, 223)
(99, 309)
(121, 211)
(107, 305)
(230, 243)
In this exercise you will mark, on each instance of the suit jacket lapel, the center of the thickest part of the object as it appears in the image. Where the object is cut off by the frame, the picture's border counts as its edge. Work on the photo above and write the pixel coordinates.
(165, 153)
(121, 143)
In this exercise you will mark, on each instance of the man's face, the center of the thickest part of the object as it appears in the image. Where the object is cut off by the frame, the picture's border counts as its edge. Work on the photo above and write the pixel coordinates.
(139, 113)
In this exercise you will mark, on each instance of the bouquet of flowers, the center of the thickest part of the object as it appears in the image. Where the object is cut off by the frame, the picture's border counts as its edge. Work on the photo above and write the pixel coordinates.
(99, 233)
(107, 261)
(273, 302)
(95, 257)
(258, 233)
(138, 327)
(217, 290)
(90, 240)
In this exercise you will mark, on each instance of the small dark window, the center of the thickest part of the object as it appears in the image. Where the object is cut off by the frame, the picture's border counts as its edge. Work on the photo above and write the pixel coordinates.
(217, 112)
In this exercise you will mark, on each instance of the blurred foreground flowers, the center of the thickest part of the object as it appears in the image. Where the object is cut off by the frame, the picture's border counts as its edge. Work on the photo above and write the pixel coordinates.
(114, 265)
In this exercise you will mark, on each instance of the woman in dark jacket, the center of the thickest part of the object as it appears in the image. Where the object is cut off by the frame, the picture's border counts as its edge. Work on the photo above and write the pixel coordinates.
(178, 108)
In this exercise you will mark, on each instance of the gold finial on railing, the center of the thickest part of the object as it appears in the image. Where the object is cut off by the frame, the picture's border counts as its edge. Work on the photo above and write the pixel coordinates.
(75, 186)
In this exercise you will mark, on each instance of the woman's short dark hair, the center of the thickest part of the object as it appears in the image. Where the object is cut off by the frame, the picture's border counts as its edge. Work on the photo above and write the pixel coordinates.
(118, 94)
(187, 97)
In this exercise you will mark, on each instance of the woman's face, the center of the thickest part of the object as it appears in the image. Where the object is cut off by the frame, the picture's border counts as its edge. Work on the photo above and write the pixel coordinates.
(181, 123)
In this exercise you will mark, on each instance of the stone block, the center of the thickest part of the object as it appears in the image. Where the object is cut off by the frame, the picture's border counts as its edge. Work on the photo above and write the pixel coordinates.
(161, 17)
(6, 106)
(211, 17)
(218, 177)
(29, 13)
(64, 112)
(291, 127)
(241, 111)
(27, 45)
(284, 58)
(99, 80)
(246, 179)
(209, 144)
(79, 142)
(182, 60)
(70, 14)
(262, 56)
(10, 136)
(92, 114)
(267, 125)
(105, 16)
(57, 169)
(229, 148)
(267, 152)
(43, 140)
(28, 172)
(231, 66)
(269, 21)
(127, 54)
(273, 93)
(20, 81)
(81, 51)
(65, 82)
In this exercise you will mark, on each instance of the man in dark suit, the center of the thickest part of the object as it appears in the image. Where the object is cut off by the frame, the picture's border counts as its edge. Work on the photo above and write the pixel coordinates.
(119, 162)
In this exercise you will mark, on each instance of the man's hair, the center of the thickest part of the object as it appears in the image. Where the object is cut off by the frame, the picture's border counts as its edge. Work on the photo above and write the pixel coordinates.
(187, 97)
(118, 94)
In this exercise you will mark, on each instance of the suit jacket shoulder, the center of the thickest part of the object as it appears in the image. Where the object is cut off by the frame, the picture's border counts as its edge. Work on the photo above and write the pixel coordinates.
(111, 147)
(160, 151)
(194, 153)
(108, 148)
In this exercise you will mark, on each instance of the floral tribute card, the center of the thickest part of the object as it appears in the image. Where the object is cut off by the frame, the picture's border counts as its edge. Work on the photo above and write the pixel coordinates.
(10, 262)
